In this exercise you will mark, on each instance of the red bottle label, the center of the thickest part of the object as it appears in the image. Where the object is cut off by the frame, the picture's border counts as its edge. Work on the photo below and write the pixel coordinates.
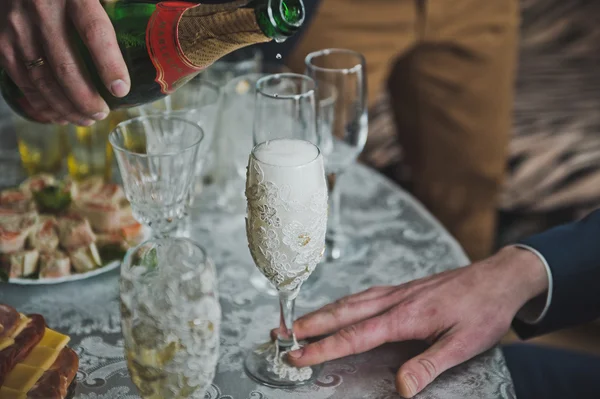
(173, 69)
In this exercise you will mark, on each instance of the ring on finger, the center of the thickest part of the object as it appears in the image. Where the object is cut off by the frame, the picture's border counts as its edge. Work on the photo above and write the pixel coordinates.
(35, 63)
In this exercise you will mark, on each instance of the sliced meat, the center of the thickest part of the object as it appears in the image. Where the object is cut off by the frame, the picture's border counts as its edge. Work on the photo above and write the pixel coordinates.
(101, 203)
(22, 263)
(9, 320)
(90, 186)
(74, 231)
(95, 188)
(37, 183)
(54, 264)
(44, 236)
(112, 240)
(24, 343)
(11, 241)
(104, 216)
(131, 229)
(14, 229)
(17, 201)
(112, 192)
(54, 383)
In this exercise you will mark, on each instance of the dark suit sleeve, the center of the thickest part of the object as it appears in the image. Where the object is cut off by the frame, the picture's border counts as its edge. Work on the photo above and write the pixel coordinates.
(573, 254)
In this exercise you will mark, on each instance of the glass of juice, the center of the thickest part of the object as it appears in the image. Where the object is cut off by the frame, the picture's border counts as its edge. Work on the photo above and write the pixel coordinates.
(90, 153)
(42, 147)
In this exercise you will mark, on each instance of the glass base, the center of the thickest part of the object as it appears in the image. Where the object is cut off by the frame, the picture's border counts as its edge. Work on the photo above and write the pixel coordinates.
(259, 367)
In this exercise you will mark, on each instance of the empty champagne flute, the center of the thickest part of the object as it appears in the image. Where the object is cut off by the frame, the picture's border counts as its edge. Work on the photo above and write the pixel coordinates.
(346, 134)
(234, 142)
(170, 318)
(283, 107)
(286, 224)
(156, 155)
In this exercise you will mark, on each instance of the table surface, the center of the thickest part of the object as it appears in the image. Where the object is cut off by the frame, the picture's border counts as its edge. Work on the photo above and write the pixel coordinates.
(405, 243)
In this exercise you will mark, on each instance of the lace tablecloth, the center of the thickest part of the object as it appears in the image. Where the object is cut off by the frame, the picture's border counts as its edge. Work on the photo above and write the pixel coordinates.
(405, 243)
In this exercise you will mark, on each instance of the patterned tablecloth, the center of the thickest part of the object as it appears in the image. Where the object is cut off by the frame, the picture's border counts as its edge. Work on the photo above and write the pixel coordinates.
(405, 243)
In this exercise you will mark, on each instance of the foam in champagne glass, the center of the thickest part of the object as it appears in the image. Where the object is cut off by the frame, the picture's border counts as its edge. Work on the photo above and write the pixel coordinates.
(287, 199)
(286, 152)
(295, 166)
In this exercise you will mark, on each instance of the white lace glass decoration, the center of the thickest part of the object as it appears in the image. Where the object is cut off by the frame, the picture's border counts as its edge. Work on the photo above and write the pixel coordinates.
(284, 107)
(285, 225)
(170, 318)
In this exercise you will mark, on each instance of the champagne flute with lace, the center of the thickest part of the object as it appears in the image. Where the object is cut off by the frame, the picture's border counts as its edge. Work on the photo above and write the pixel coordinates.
(345, 134)
(284, 107)
(286, 224)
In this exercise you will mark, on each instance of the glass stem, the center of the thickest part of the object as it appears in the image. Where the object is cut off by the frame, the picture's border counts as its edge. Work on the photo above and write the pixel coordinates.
(287, 302)
(334, 205)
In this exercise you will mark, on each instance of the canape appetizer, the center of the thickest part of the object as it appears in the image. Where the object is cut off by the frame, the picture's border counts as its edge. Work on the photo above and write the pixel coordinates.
(54, 264)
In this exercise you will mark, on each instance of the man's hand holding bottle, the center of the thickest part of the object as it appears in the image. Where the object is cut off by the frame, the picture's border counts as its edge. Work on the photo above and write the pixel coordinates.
(38, 53)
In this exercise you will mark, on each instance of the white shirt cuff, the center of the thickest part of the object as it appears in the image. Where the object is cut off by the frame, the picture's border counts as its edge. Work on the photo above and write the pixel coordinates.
(530, 312)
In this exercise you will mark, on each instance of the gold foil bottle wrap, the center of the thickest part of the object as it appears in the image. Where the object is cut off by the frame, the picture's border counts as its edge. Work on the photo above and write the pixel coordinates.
(208, 32)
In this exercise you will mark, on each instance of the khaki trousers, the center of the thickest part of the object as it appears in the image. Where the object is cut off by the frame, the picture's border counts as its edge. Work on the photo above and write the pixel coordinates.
(448, 66)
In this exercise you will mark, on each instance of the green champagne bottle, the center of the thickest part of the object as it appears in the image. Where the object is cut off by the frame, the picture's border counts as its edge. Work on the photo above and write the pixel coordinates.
(166, 43)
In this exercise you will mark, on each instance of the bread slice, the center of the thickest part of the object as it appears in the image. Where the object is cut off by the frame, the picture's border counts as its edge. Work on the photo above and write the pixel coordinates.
(22, 263)
(36, 363)
(44, 235)
(74, 231)
(54, 264)
(85, 259)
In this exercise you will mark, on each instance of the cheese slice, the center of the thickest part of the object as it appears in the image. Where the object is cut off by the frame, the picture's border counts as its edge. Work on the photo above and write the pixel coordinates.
(42, 357)
(8, 393)
(8, 341)
(22, 324)
(54, 340)
(22, 377)
(25, 374)
(5, 343)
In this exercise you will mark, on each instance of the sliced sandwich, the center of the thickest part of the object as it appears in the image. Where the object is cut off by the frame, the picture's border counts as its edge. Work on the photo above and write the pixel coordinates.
(35, 361)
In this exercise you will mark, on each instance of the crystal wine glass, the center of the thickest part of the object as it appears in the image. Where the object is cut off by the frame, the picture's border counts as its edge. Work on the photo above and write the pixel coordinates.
(156, 155)
(286, 224)
(170, 318)
(197, 101)
(284, 107)
(346, 134)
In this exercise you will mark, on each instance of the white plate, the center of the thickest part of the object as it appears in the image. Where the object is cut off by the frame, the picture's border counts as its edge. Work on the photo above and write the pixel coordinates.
(147, 233)
(66, 279)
